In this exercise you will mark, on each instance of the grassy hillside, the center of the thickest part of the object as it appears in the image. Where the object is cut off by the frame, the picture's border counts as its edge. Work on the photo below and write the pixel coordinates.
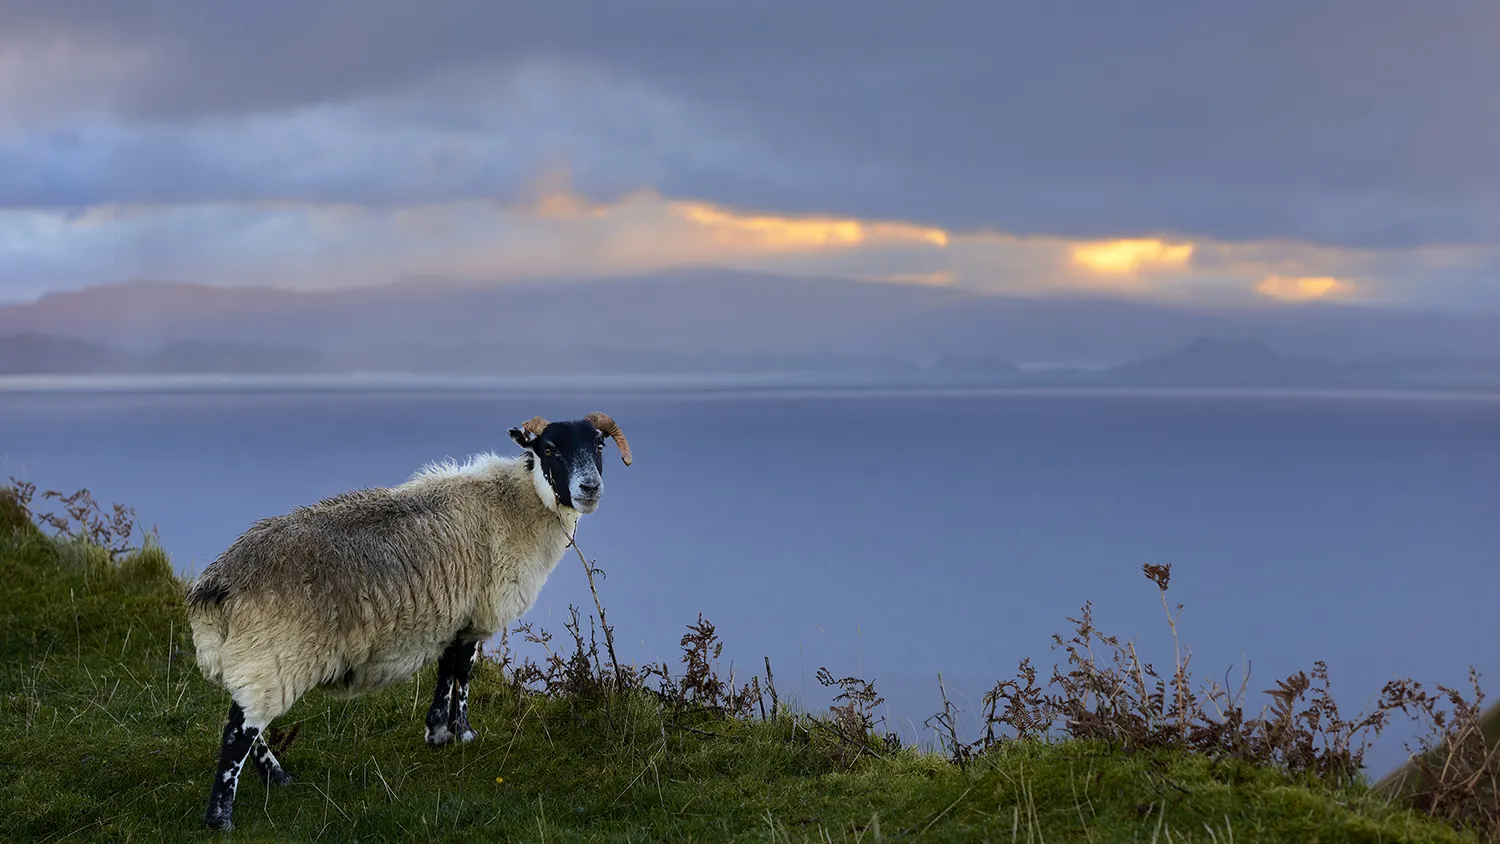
(108, 733)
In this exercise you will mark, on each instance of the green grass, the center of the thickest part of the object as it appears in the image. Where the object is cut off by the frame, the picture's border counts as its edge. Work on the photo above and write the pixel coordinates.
(108, 733)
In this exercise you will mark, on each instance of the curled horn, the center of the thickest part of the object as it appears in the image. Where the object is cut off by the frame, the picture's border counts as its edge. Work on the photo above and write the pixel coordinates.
(536, 425)
(607, 426)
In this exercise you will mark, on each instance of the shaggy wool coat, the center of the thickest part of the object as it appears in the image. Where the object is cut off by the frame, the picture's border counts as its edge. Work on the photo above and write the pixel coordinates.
(361, 590)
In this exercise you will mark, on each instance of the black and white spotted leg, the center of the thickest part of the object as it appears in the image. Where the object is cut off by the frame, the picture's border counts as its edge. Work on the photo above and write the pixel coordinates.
(464, 654)
(451, 696)
(438, 732)
(271, 772)
(238, 738)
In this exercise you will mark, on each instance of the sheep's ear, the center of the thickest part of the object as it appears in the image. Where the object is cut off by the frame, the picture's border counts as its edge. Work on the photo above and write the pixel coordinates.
(523, 438)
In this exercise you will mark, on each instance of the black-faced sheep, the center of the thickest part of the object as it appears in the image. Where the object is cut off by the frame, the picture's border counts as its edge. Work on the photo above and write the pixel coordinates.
(361, 590)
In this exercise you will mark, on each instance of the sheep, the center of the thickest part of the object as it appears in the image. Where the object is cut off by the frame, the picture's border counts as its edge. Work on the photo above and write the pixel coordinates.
(363, 589)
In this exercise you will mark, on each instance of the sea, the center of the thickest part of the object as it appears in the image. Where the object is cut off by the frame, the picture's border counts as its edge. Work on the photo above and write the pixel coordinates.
(926, 540)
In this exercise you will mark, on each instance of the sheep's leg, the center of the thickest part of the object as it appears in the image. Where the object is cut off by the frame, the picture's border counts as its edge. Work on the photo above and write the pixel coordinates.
(239, 736)
(464, 654)
(439, 732)
(271, 772)
(448, 717)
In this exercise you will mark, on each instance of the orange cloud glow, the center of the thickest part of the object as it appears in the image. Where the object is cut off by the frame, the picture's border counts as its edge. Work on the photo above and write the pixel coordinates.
(1127, 257)
(566, 206)
(1301, 288)
(550, 196)
(553, 231)
(798, 233)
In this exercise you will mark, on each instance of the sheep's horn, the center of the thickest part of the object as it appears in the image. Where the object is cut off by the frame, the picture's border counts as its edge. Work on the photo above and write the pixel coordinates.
(607, 426)
(536, 425)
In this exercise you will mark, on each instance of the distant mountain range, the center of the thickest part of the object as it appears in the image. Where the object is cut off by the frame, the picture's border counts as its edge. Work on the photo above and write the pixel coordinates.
(708, 321)
(1201, 363)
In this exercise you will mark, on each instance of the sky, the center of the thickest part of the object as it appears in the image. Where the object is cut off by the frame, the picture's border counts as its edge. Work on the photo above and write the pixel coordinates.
(1237, 152)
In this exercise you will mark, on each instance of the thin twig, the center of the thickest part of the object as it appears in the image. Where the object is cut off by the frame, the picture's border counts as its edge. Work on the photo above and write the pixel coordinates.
(609, 635)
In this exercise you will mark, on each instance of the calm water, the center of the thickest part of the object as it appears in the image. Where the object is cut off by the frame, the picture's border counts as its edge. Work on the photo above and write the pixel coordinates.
(897, 536)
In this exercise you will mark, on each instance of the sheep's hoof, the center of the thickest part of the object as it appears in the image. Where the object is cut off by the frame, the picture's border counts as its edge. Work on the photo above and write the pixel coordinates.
(279, 778)
(439, 736)
(216, 819)
(460, 728)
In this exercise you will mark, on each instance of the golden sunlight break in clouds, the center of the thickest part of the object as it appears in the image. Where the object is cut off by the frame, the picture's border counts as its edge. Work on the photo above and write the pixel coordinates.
(1301, 288)
(555, 232)
(731, 229)
(1123, 257)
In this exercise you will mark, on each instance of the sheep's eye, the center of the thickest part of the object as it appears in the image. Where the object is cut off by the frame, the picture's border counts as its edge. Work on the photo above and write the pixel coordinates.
(547, 453)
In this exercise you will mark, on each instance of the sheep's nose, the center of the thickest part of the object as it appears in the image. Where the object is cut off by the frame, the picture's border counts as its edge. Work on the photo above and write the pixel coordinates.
(590, 488)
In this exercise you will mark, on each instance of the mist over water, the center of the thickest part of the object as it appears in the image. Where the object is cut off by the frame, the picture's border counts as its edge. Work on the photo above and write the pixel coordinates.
(897, 535)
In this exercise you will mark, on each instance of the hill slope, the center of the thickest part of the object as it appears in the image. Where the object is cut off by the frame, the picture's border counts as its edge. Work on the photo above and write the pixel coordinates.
(108, 733)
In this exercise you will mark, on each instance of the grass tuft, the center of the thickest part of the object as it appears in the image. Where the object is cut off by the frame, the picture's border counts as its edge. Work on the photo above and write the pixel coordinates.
(109, 733)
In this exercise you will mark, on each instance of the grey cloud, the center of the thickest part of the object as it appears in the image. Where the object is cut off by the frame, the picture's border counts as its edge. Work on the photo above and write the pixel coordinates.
(1363, 122)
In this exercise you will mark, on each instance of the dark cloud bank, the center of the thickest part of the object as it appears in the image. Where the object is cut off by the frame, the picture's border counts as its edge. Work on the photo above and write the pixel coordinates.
(1366, 122)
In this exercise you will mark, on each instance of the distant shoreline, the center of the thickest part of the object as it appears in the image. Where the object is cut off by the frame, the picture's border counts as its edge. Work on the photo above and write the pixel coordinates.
(729, 385)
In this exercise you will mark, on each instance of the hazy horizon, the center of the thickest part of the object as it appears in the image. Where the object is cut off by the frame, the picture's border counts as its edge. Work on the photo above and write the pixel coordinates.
(704, 319)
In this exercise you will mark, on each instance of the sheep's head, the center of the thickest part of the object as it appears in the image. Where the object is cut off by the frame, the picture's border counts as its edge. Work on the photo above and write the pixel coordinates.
(567, 458)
